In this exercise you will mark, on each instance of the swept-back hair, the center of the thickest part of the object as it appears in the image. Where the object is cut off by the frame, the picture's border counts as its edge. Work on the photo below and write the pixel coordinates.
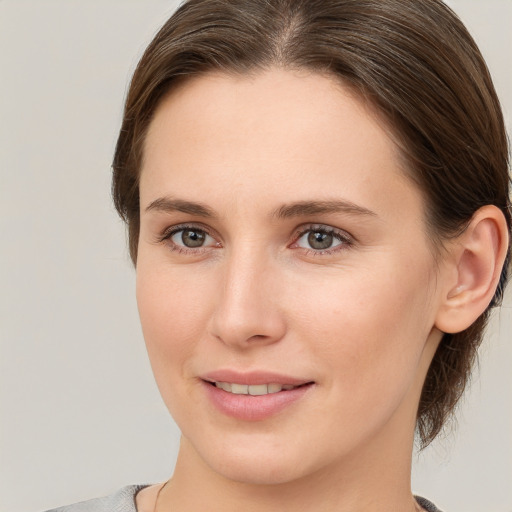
(412, 60)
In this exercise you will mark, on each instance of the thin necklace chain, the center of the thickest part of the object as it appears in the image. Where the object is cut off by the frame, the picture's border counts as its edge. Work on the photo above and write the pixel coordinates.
(158, 495)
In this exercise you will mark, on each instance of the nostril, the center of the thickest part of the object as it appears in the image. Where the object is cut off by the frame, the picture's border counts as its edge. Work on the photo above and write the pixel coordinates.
(258, 337)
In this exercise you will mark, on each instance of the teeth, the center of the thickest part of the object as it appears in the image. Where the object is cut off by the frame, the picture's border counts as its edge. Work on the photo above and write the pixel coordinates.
(261, 389)
(239, 389)
(274, 388)
(226, 386)
(253, 389)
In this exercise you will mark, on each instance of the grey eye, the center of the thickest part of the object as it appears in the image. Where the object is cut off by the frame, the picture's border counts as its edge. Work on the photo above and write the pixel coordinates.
(320, 240)
(191, 238)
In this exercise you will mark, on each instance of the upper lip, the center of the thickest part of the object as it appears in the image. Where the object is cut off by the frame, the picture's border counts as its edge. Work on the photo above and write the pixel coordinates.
(253, 377)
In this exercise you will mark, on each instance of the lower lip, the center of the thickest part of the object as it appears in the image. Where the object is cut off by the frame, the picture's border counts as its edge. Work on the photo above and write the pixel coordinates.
(253, 408)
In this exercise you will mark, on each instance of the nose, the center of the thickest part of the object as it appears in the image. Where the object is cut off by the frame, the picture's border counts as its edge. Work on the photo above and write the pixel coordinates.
(248, 312)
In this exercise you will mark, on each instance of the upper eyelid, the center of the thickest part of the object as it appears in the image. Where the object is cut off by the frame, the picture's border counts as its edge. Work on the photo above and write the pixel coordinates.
(172, 230)
(297, 233)
(165, 237)
(301, 230)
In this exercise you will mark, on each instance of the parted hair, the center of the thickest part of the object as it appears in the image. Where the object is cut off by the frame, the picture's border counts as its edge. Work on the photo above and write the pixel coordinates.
(414, 61)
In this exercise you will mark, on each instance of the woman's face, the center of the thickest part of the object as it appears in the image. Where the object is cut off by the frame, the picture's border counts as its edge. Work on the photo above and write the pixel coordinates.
(281, 245)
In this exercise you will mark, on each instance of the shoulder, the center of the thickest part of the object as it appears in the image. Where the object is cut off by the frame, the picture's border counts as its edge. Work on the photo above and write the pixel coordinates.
(124, 501)
(121, 501)
(426, 505)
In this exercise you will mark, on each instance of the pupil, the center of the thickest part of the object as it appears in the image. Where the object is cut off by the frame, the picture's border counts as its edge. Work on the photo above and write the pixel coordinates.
(319, 240)
(193, 238)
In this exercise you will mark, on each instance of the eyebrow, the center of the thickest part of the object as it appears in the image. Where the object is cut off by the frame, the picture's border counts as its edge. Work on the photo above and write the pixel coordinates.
(286, 211)
(304, 208)
(167, 204)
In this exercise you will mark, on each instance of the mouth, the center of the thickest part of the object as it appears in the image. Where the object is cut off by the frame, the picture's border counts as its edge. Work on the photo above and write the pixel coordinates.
(255, 389)
(254, 395)
(250, 401)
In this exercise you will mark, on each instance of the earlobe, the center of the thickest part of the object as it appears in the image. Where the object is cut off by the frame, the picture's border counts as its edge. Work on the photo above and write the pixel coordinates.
(477, 258)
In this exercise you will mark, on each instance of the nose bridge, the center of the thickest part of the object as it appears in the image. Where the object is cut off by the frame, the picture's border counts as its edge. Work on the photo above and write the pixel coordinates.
(246, 311)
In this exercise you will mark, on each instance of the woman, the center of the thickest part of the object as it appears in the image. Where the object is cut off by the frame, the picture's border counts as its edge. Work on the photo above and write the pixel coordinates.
(317, 198)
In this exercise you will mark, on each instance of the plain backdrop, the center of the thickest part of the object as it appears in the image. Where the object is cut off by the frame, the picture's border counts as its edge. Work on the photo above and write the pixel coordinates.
(80, 413)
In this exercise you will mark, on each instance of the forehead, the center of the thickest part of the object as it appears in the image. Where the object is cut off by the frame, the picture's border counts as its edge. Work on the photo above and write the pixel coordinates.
(267, 101)
(278, 134)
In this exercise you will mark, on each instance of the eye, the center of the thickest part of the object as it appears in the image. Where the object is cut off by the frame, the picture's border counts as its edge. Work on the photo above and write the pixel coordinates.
(187, 238)
(322, 239)
(191, 238)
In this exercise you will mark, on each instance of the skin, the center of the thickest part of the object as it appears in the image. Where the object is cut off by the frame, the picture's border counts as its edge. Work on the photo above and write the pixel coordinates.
(358, 319)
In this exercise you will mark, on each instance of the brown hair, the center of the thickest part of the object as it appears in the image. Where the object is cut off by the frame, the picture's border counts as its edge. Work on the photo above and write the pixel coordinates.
(414, 61)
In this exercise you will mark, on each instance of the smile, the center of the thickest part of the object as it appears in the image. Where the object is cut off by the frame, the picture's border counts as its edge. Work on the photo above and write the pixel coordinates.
(253, 389)
(254, 402)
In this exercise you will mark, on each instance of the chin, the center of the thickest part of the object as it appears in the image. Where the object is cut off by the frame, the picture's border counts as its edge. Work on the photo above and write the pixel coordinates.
(255, 463)
(258, 471)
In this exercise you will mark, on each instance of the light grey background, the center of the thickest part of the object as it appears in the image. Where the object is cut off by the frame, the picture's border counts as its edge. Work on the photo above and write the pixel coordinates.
(80, 413)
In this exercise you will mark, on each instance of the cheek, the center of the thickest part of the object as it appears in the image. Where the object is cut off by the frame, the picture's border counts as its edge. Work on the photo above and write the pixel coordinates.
(369, 328)
(172, 309)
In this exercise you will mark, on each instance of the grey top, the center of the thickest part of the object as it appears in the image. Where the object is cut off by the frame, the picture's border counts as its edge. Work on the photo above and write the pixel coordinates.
(124, 501)
(427, 505)
(121, 501)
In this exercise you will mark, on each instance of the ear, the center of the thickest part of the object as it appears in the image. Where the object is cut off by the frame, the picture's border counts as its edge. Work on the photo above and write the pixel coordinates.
(473, 268)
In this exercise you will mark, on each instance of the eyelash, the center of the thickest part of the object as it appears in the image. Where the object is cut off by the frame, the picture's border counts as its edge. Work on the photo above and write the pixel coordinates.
(168, 233)
(346, 240)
